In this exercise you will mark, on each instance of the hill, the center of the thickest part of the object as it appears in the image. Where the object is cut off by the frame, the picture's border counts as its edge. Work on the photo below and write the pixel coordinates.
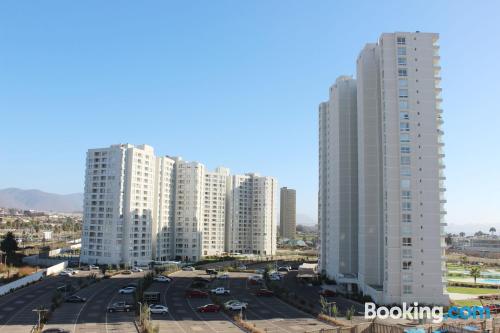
(41, 201)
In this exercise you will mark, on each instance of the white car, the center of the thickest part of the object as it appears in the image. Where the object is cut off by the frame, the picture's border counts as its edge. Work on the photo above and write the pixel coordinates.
(158, 309)
(92, 267)
(65, 273)
(127, 290)
(242, 267)
(220, 291)
(188, 268)
(224, 276)
(275, 277)
(162, 278)
(137, 270)
(236, 306)
(259, 271)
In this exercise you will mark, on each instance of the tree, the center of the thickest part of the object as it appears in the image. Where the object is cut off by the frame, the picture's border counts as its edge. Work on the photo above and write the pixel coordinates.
(9, 244)
(479, 233)
(475, 272)
(493, 230)
(462, 234)
(448, 239)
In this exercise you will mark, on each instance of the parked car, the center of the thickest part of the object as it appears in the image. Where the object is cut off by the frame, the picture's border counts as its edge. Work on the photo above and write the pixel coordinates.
(162, 278)
(327, 293)
(126, 272)
(73, 271)
(220, 291)
(137, 269)
(93, 267)
(65, 273)
(283, 269)
(209, 308)
(224, 276)
(188, 268)
(120, 307)
(158, 309)
(236, 306)
(55, 330)
(201, 279)
(211, 271)
(242, 267)
(75, 299)
(275, 277)
(264, 292)
(260, 271)
(127, 290)
(195, 293)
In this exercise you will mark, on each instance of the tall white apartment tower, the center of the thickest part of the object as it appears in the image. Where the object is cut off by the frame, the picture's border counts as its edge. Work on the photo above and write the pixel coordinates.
(338, 183)
(118, 205)
(251, 227)
(401, 169)
(399, 173)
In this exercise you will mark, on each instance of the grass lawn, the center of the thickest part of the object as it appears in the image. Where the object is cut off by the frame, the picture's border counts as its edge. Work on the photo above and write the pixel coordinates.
(467, 302)
(473, 291)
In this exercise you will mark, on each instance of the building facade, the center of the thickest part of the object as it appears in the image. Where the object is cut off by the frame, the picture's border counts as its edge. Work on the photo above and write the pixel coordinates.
(399, 173)
(288, 213)
(140, 208)
(252, 215)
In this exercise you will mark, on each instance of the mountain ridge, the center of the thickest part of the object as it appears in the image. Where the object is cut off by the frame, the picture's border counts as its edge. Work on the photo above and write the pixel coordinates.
(38, 200)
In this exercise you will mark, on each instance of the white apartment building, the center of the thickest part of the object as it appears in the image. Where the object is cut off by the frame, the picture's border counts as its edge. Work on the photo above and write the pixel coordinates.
(338, 185)
(139, 208)
(252, 215)
(400, 172)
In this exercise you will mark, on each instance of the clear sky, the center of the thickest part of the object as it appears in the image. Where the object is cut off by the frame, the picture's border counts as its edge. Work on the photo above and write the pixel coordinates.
(233, 83)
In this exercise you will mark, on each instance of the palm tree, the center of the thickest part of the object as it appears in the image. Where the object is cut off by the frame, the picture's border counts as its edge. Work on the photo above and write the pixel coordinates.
(475, 272)
(493, 230)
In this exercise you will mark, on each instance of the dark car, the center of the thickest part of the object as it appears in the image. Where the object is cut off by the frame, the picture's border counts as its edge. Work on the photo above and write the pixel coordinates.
(211, 271)
(327, 293)
(196, 294)
(75, 299)
(120, 307)
(264, 292)
(209, 308)
(55, 330)
(127, 272)
(201, 279)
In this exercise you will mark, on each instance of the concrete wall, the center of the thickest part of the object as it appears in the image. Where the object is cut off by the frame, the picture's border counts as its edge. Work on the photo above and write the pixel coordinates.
(7, 288)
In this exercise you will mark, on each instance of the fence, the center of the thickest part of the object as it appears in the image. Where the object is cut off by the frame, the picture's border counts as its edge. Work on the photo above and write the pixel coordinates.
(7, 288)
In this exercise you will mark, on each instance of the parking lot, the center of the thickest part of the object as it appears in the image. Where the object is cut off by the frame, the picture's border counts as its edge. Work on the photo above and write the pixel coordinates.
(267, 313)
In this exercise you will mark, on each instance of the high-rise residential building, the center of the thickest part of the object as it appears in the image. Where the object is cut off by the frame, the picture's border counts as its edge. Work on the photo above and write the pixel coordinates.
(399, 173)
(288, 214)
(139, 207)
(251, 227)
(338, 183)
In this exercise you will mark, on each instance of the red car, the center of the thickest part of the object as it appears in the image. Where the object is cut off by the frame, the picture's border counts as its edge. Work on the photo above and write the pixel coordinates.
(327, 293)
(264, 292)
(209, 308)
(196, 294)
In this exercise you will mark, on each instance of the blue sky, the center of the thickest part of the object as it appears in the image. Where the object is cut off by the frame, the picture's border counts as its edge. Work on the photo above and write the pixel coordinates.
(233, 83)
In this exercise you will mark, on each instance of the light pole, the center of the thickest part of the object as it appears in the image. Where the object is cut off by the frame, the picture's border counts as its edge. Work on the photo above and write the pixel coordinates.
(140, 312)
(40, 311)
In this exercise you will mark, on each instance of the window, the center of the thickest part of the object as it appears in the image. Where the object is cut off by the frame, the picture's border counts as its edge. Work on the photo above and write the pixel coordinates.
(405, 183)
(403, 104)
(406, 241)
(405, 172)
(407, 290)
(402, 72)
(404, 137)
(401, 40)
(405, 149)
(405, 160)
(404, 127)
(401, 61)
(406, 265)
(406, 194)
(403, 83)
(403, 93)
(401, 51)
(406, 206)
(406, 218)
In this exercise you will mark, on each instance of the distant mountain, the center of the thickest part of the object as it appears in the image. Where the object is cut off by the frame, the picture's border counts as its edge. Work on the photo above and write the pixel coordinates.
(41, 201)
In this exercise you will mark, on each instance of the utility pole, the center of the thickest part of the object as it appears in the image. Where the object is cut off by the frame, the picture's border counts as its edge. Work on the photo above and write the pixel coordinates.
(40, 311)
